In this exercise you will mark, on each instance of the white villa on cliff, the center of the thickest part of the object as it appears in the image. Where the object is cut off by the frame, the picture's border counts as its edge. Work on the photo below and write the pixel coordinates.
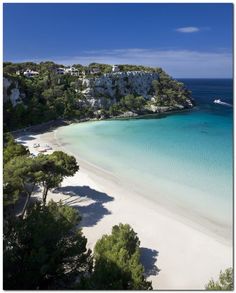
(30, 73)
(72, 71)
(67, 70)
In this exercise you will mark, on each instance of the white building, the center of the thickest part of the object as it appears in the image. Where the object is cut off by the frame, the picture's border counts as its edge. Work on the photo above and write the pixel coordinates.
(115, 68)
(30, 73)
(72, 71)
(68, 70)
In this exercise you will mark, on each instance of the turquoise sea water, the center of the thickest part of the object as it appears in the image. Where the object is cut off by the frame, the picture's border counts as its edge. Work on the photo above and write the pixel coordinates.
(180, 160)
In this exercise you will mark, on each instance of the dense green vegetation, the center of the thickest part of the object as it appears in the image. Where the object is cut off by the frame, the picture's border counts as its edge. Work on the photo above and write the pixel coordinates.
(43, 248)
(12, 149)
(21, 172)
(51, 96)
(117, 263)
(169, 92)
(128, 67)
(224, 283)
(47, 97)
(127, 103)
(103, 68)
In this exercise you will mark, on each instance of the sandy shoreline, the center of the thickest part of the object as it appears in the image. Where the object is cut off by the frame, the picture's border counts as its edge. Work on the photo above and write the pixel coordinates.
(176, 255)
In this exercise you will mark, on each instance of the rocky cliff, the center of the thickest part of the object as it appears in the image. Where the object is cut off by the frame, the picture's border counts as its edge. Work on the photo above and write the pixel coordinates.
(120, 84)
(108, 89)
(11, 92)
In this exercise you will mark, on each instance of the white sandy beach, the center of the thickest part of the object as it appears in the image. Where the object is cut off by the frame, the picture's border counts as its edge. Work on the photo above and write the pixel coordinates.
(176, 255)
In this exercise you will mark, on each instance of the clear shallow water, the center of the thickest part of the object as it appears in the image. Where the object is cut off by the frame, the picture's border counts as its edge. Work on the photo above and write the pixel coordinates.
(182, 160)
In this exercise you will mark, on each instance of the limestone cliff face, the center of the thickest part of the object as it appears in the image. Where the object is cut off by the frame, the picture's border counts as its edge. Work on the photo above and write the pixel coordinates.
(12, 92)
(103, 91)
(119, 84)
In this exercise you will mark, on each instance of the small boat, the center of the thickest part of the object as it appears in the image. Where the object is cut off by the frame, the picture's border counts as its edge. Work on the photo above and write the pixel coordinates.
(217, 101)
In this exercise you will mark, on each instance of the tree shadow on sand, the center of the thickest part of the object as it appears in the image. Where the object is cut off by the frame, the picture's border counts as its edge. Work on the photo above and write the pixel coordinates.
(148, 259)
(92, 213)
(25, 138)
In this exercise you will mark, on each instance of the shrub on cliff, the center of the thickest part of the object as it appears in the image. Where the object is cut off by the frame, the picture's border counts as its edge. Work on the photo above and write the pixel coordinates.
(130, 102)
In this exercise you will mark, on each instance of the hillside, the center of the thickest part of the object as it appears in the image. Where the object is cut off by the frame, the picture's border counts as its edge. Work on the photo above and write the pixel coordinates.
(35, 93)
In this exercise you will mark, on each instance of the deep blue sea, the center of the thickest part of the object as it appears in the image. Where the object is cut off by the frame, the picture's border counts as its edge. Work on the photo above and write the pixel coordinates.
(182, 161)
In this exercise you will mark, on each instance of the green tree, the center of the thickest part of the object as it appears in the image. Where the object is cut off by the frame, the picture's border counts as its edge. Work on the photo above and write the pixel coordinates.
(12, 186)
(225, 281)
(54, 168)
(12, 149)
(20, 176)
(22, 173)
(156, 86)
(45, 250)
(117, 261)
(130, 102)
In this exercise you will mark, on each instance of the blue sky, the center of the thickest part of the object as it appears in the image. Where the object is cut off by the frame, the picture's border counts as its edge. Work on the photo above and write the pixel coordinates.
(186, 40)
